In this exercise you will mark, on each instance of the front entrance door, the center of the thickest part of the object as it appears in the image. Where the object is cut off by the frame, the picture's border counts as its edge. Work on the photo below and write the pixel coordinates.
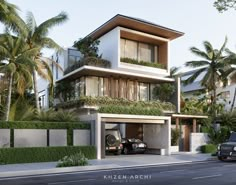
(187, 131)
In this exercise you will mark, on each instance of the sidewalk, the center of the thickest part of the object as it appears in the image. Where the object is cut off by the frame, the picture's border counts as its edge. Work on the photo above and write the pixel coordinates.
(110, 162)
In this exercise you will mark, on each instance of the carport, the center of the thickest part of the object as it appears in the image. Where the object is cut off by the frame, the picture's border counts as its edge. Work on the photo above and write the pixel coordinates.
(156, 130)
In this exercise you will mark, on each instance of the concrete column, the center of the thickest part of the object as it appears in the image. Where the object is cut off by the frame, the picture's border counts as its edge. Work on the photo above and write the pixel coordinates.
(178, 94)
(98, 137)
(168, 124)
(194, 125)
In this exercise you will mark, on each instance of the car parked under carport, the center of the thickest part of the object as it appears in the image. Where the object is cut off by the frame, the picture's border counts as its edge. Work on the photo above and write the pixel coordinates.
(156, 130)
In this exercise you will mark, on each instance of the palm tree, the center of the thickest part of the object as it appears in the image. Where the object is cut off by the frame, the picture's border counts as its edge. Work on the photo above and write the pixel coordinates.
(10, 18)
(37, 36)
(212, 67)
(16, 64)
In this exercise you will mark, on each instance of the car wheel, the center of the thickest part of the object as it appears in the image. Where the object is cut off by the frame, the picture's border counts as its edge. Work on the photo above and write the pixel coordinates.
(126, 151)
(222, 158)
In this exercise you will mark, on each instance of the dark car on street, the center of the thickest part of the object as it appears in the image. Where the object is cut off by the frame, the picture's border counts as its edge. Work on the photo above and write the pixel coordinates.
(227, 150)
(133, 146)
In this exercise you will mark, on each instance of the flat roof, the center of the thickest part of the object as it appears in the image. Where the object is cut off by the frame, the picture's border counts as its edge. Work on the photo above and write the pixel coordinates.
(135, 24)
(107, 72)
(186, 116)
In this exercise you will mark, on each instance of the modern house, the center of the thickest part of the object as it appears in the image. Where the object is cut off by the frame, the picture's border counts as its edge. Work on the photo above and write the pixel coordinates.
(225, 94)
(134, 61)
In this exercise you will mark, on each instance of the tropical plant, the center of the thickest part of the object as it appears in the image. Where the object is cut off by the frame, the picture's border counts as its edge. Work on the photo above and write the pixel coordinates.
(10, 17)
(16, 64)
(218, 136)
(22, 110)
(87, 46)
(228, 119)
(142, 63)
(224, 5)
(90, 61)
(212, 67)
(173, 71)
(64, 116)
(46, 115)
(163, 91)
(77, 159)
(175, 134)
(103, 101)
(37, 37)
(64, 91)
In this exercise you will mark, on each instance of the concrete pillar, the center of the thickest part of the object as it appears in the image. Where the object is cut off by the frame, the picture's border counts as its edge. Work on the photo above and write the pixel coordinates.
(194, 125)
(98, 137)
(178, 94)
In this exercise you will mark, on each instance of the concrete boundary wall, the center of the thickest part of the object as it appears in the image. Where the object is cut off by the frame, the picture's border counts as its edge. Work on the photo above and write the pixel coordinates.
(197, 140)
(30, 137)
(44, 137)
(4, 138)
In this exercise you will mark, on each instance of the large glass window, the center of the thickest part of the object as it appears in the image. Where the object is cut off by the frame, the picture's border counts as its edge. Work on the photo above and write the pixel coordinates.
(94, 86)
(153, 95)
(73, 57)
(91, 86)
(144, 91)
(130, 89)
(138, 50)
(145, 52)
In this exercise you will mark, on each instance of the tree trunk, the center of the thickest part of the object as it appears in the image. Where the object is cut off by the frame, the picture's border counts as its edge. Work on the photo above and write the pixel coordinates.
(214, 97)
(36, 91)
(9, 98)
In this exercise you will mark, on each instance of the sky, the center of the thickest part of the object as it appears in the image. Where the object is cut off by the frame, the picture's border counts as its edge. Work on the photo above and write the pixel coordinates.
(198, 19)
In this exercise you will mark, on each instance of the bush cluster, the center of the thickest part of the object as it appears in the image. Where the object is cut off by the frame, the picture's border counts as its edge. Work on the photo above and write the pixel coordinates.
(89, 61)
(142, 63)
(138, 110)
(43, 154)
(77, 159)
(107, 101)
(209, 148)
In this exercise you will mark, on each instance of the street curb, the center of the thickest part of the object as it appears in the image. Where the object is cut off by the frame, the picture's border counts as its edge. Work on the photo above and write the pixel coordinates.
(83, 169)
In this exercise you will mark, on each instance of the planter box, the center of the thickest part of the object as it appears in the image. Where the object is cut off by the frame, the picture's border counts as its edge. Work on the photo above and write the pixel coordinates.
(174, 149)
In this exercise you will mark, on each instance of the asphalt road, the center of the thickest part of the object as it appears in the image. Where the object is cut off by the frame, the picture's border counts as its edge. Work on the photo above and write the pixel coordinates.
(200, 173)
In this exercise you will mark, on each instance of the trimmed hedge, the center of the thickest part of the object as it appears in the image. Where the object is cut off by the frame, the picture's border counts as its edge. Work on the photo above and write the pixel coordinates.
(138, 110)
(43, 125)
(89, 61)
(209, 148)
(142, 63)
(43, 154)
(107, 101)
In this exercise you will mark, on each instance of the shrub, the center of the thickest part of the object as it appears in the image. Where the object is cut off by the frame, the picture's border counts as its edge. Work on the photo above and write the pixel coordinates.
(164, 91)
(103, 101)
(142, 63)
(218, 136)
(43, 154)
(63, 115)
(89, 61)
(175, 134)
(209, 148)
(77, 159)
(138, 110)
